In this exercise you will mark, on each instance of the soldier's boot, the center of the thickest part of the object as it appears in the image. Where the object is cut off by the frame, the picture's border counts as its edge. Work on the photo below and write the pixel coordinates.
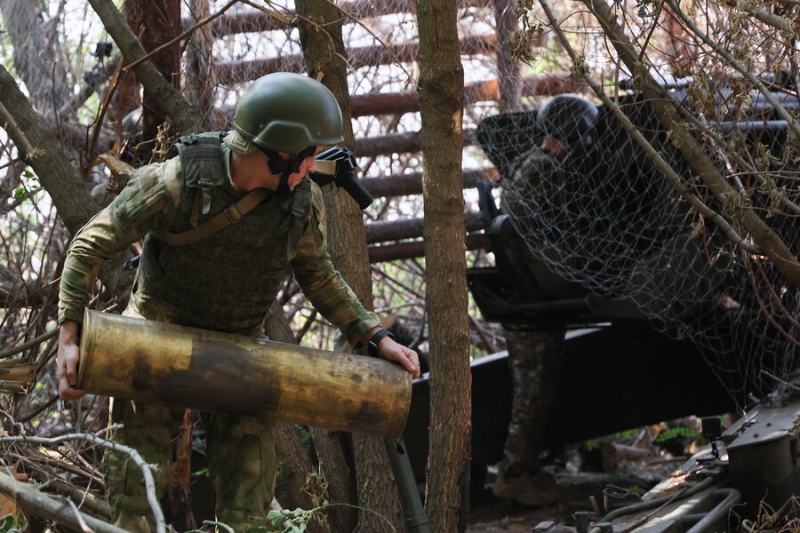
(531, 489)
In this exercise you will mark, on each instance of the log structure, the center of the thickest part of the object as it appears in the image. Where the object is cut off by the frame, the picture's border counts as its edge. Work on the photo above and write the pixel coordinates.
(398, 239)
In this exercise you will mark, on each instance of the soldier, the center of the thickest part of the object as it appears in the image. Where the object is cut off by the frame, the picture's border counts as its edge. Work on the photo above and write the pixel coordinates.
(221, 279)
(534, 355)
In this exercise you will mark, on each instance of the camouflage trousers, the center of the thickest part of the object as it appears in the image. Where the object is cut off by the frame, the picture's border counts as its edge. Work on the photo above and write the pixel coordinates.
(535, 360)
(241, 457)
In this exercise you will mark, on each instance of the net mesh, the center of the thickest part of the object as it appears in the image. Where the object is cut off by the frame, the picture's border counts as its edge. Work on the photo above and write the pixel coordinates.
(606, 219)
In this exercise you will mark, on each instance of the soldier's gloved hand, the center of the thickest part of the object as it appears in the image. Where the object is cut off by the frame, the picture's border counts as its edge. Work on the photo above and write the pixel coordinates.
(67, 362)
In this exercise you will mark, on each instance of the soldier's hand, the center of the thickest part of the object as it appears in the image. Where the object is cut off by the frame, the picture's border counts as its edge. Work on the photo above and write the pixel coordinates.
(393, 351)
(67, 362)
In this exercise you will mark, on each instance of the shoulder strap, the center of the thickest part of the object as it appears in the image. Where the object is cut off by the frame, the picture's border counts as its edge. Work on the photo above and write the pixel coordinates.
(230, 215)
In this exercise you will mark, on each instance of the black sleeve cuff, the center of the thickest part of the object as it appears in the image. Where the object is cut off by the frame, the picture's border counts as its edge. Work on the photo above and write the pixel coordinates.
(372, 346)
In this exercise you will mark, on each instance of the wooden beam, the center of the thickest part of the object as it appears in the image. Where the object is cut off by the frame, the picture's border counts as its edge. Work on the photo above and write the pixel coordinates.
(410, 184)
(258, 21)
(410, 250)
(411, 228)
(357, 57)
(484, 91)
(376, 104)
(399, 143)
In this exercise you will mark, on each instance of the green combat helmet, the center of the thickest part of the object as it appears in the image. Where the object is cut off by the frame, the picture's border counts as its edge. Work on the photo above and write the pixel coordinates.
(286, 112)
(567, 117)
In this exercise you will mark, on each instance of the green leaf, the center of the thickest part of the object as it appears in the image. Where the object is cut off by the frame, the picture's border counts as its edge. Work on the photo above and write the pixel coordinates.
(276, 517)
(20, 194)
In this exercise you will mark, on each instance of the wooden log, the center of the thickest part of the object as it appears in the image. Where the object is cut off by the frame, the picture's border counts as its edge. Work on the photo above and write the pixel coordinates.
(260, 21)
(399, 143)
(374, 104)
(413, 249)
(40, 504)
(358, 57)
(411, 228)
(175, 365)
(483, 91)
(398, 185)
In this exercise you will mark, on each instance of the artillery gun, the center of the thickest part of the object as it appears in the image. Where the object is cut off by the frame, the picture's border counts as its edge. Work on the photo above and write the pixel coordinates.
(638, 353)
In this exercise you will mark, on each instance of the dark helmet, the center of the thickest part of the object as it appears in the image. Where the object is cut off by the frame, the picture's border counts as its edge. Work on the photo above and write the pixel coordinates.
(286, 112)
(567, 117)
(132, 123)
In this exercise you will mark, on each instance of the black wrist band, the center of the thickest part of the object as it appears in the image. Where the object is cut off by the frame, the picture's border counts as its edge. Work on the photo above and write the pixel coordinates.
(372, 346)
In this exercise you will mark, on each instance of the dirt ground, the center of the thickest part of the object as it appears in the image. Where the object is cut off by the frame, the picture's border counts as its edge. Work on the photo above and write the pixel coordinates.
(586, 492)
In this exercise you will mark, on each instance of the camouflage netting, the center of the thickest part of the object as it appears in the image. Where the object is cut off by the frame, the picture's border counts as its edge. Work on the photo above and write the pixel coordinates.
(610, 222)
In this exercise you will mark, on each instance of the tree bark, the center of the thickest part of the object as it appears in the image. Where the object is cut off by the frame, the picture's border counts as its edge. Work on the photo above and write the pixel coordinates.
(510, 86)
(40, 147)
(51, 509)
(35, 58)
(183, 116)
(287, 444)
(201, 74)
(157, 25)
(323, 47)
(441, 105)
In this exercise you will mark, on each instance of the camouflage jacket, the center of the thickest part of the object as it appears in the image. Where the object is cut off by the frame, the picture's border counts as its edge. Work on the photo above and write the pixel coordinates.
(536, 177)
(217, 288)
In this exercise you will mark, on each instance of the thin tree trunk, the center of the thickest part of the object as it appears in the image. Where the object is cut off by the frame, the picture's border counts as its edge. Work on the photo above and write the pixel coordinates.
(324, 49)
(201, 74)
(183, 116)
(277, 328)
(441, 104)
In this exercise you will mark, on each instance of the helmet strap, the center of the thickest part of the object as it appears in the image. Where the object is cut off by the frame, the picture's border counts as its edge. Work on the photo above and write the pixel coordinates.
(278, 166)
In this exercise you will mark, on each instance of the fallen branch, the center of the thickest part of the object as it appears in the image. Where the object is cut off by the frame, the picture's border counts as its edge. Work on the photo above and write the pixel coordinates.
(40, 504)
(47, 507)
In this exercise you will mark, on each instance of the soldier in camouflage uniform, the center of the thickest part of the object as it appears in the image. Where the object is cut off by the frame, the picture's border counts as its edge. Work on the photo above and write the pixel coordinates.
(224, 282)
(534, 355)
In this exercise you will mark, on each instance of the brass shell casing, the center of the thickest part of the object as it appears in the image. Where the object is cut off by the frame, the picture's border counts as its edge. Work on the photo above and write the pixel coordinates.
(174, 365)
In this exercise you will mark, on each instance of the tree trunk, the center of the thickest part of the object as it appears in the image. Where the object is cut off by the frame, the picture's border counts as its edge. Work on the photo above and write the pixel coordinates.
(441, 104)
(158, 24)
(324, 49)
(201, 74)
(35, 59)
(184, 117)
(30, 132)
(287, 445)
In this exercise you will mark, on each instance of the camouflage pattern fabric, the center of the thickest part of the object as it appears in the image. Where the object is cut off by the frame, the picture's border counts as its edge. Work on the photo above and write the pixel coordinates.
(240, 452)
(241, 456)
(535, 360)
(240, 449)
(534, 356)
(148, 430)
(152, 200)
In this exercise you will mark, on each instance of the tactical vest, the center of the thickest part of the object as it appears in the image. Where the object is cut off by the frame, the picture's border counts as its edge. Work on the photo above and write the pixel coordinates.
(228, 280)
